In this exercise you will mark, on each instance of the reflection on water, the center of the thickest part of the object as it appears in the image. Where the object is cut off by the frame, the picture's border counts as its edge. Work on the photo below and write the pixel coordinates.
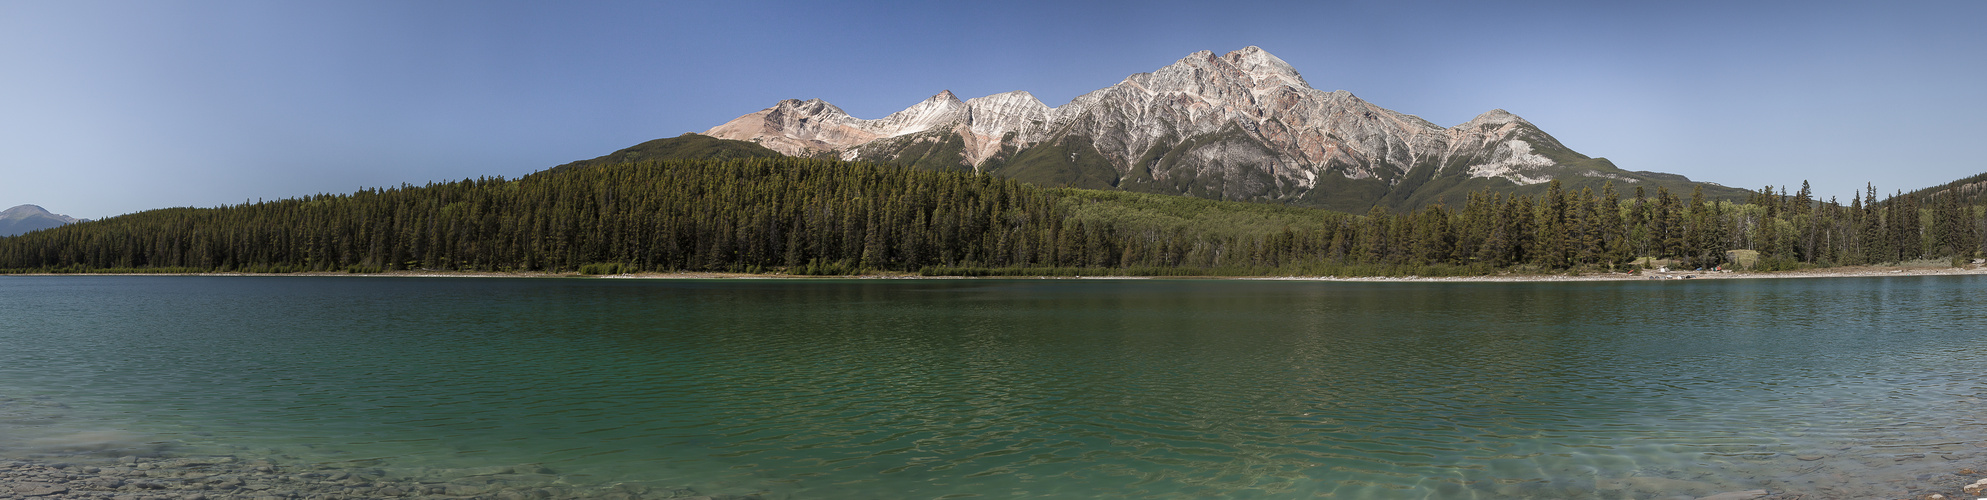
(860, 389)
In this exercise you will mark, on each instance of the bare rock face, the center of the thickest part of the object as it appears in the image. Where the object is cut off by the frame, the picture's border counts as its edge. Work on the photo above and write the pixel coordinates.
(795, 127)
(991, 118)
(1242, 125)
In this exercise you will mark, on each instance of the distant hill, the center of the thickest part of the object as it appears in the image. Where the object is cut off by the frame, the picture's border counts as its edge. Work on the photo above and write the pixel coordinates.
(1971, 190)
(682, 147)
(26, 218)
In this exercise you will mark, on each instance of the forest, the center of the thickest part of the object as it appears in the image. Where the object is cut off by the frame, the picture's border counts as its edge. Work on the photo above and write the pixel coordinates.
(824, 217)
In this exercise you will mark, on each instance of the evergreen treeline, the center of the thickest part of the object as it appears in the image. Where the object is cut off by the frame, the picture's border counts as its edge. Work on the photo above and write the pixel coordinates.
(808, 216)
(1971, 190)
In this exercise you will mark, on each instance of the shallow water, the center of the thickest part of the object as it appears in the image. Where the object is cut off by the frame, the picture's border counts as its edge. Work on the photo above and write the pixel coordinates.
(1041, 388)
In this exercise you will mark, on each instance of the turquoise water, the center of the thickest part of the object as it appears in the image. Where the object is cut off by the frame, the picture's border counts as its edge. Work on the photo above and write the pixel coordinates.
(1007, 388)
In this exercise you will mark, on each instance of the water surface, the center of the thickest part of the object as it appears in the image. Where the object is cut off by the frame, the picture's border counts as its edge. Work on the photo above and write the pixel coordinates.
(1038, 388)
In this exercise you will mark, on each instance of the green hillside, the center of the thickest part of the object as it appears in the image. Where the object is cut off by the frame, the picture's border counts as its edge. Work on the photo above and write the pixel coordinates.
(1072, 161)
(682, 147)
(810, 216)
(1970, 191)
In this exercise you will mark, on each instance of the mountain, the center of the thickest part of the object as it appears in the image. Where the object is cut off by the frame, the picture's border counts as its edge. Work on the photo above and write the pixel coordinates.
(1240, 126)
(683, 147)
(26, 218)
(1970, 191)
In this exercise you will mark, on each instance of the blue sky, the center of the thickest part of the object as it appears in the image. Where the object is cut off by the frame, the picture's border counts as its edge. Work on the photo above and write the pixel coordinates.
(115, 107)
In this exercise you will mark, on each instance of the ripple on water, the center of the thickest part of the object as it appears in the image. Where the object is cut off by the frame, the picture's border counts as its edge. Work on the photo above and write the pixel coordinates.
(1113, 389)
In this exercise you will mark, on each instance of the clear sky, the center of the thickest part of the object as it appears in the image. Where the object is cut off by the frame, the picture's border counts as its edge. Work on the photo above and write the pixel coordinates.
(115, 107)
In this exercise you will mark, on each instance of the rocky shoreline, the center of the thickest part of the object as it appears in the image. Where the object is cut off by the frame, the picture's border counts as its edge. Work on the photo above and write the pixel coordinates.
(1823, 272)
(228, 478)
(1827, 272)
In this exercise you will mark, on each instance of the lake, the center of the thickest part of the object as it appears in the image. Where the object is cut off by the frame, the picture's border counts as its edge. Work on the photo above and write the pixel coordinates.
(1020, 388)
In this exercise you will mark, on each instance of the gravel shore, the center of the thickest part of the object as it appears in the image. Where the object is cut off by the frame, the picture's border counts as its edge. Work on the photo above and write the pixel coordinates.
(1827, 272)
(218, 478)
(226, 478)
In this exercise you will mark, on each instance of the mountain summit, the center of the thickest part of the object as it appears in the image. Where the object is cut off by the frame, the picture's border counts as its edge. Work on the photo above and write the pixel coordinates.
(1238, 126)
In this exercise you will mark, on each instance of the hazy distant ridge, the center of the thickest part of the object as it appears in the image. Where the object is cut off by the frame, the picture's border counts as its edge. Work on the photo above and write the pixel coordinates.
(26, 218)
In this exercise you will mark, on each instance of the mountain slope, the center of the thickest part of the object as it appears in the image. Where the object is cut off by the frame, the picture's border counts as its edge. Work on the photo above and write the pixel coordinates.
(682, 147)
(1239, 126)
(1970, 190)
(26, 218)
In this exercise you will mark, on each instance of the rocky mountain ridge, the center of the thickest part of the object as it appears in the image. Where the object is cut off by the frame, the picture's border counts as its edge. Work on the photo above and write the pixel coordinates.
(1240, 126)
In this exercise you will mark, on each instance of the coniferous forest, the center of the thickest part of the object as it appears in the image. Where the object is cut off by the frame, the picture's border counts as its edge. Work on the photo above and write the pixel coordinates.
(810, 216)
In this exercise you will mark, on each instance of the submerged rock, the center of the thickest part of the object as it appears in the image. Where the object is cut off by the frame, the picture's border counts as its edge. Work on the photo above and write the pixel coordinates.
(39, 489)
(1736, 495)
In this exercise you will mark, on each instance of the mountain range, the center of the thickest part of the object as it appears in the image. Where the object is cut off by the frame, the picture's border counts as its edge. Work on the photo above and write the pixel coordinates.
(1237, 126)
(26, 218)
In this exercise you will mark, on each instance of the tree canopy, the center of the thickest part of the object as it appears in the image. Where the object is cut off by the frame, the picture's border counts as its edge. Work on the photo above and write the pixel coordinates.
(813, 216)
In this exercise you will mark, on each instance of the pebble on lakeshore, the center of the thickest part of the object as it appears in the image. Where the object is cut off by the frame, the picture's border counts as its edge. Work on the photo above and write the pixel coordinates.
(226, 478)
